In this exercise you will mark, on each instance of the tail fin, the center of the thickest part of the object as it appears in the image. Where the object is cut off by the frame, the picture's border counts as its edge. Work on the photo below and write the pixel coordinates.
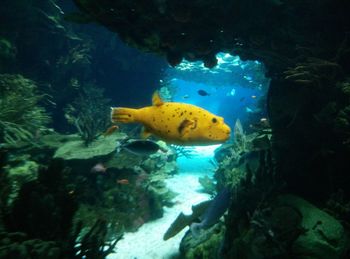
(123, 115)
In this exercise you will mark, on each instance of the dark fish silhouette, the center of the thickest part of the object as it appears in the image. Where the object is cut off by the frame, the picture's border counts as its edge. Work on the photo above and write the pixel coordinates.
(203, 93)
(216, 209)
(141, 147)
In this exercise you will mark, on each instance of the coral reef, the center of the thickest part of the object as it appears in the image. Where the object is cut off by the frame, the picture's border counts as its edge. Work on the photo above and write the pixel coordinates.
(39, 223)
(128, 192)
(21, 117)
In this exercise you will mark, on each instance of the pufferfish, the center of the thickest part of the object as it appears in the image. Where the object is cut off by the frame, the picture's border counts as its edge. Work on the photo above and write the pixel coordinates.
(176, 123)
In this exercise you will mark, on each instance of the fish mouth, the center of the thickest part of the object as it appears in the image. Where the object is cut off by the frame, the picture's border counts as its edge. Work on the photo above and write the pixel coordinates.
(227, 131)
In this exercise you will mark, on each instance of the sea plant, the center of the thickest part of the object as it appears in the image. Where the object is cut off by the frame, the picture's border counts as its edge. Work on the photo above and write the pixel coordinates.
(21, 116)
(187, 152)
(89, 113)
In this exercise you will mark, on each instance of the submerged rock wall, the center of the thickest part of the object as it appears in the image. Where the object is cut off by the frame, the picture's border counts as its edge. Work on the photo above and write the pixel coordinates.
(306, 50)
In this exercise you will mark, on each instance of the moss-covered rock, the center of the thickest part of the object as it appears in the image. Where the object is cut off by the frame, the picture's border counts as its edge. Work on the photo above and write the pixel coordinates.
(17, 245)
(324, 236)
(21, 117)
(19, 174)
(206, 246)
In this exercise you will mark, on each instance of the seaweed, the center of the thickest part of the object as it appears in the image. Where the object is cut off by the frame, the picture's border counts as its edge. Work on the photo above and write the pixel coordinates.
(21, 116)
(89, 113)
(187, 152)
(93, 243)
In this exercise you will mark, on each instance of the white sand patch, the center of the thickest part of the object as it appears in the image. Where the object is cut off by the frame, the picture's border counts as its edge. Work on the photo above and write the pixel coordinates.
(147, 242)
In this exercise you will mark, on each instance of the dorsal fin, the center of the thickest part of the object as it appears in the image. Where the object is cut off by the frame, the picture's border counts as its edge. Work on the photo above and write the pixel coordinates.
(156, 100)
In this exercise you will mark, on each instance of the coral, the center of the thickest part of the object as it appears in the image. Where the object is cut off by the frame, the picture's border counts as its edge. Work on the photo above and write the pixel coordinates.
(18, 173)
(48, 217)
(7, 50)
(17, 244)
(338, 207)
(80, 54)
(75, 148)
(21, 116)
(324, 235)
(313, 72)
(89, 113)
(239, 138)
(205, 246)
(93, 243)
(182, 151)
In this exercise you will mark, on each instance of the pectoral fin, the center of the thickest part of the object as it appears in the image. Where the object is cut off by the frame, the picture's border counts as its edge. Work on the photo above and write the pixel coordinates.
(145, 133)
(186, 125)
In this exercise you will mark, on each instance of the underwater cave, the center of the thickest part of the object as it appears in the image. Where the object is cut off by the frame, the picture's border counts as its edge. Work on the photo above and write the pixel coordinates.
(242, 151)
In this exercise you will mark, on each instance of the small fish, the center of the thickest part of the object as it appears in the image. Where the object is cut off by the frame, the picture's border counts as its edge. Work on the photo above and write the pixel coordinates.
(141, 147)
(98, 168)
(123, 181)
(253, 96)
(186, 96)
(249, 110)
(232, 92)
(214, 212)
(110, 130)
(202, 93)
(176, 123)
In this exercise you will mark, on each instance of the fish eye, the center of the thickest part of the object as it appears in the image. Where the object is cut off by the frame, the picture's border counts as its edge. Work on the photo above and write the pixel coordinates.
(214, 120)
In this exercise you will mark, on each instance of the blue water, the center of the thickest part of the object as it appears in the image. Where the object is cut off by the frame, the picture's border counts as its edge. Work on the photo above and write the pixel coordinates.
(220, 100)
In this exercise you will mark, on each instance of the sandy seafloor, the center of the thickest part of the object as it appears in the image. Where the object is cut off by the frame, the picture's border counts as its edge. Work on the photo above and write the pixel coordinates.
(147, 242)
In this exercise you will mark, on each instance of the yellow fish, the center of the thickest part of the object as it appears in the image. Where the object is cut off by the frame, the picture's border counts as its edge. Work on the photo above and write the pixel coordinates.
(176, 123)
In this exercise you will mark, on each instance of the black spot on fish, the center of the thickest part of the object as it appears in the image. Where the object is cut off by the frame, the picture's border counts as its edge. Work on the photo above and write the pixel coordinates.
(214, 120)
(168, 131)
(129, 115)
(190, 113)
(181, 114)
(173, 115)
